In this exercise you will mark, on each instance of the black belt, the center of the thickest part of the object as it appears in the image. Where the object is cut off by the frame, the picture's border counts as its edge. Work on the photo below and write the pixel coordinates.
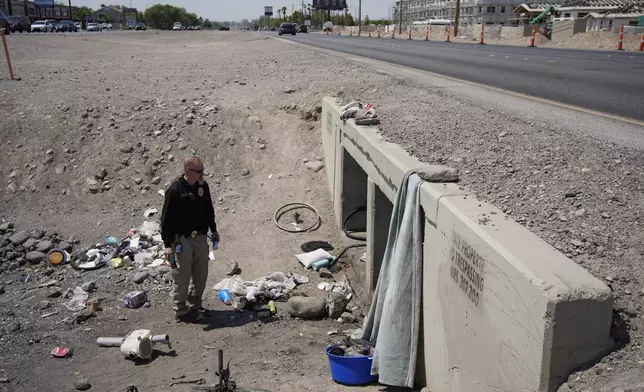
(193, 234)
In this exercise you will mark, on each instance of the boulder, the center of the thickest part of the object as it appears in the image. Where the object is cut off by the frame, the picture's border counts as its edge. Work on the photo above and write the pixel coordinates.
(336, 303)
(19, 238)
(140, 277)
(306, 307)
(30, 243)
(44, 246)
(35, 257)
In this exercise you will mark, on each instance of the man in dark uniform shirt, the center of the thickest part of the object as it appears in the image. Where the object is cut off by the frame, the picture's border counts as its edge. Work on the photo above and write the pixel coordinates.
(187, 215)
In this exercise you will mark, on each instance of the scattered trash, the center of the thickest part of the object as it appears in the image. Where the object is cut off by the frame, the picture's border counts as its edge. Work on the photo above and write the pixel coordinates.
(4, 380)
(49, 314)
(200, 381)
(78, 297)
(150, 212)
(61, 352)
(273, 286)
(57, 256)
(116, 262)
(309, 258)
(224, 296)
(262, 311)
(113, 241)
(331, 333)
(139, 344)
(135, 299)
(297, 229)
(94, 305)
(325, 286)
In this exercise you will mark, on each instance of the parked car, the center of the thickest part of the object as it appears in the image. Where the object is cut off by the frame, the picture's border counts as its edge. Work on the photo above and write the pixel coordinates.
(224, 28)
(197, 27)
(66, 25)
(287, 28)
(177, 26)
(19, 23)
(94, 27)
(302, 29)
(140, 26)
(78, 25)
(42, 26)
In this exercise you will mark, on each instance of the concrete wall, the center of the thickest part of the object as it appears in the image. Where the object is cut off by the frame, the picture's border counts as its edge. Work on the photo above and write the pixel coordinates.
(532, 318)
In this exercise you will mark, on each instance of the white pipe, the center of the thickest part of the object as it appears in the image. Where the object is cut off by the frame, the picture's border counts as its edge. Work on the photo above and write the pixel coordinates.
(163, 339)
(109, 342)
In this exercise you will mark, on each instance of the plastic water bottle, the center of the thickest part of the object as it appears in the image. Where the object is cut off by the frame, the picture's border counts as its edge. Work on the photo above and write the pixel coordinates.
(224, 296)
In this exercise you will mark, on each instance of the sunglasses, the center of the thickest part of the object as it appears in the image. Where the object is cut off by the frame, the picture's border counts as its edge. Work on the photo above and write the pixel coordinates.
(196, 171)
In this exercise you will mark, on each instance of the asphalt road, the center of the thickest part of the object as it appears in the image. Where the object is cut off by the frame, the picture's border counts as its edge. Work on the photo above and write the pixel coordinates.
(605, 81)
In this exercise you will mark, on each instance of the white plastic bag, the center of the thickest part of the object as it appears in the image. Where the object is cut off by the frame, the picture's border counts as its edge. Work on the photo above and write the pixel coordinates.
(307, 259)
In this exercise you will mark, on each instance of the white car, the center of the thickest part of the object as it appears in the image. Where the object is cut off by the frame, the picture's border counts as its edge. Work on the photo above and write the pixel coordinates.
(42, 26)
(94, 27)
(177, 26)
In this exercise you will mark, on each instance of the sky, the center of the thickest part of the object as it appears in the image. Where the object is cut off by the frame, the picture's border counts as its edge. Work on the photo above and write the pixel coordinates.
(236, 10)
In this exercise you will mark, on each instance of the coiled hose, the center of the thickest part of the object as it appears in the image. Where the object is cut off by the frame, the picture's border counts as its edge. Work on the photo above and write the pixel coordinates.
(350, 234)
(282, 210)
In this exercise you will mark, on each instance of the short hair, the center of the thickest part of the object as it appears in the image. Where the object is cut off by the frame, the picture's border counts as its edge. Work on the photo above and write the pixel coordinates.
(191, 160)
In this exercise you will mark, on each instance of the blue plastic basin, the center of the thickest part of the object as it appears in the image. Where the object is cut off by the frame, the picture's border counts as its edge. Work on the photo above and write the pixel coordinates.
(350, 370)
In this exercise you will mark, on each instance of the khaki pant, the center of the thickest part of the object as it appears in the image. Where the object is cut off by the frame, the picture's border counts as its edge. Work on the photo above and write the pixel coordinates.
(192, 263)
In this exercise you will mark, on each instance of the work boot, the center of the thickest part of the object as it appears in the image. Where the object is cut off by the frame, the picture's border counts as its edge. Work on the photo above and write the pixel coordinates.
(202, 311)
(190, 317)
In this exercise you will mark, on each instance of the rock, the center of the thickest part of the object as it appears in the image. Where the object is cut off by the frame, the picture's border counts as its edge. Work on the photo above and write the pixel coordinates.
(54, 292)
(89, 286)
(30, 243)
(347, 318)
(580, 212)
(164, 269)
(84, 315)
(82, 384)
(438, 173)
(35, 257)
(126, 149)
(101, 174)
(314, 166)
(153, 273)
(262, 146)
(140, 277)
(4, 226)
(2, 290)
(90, 181)
(233, 268)
(19, 238)
(245, 172)
(44, 246)
(571, 193)
(306, 307)
(15, 327)
(138, 181)
(37, 234)
(156, 181)
(65, 246)
(336, 304)
(11, 188)
(325, 273)
(60, 169)
(563, 388)
(289, 91)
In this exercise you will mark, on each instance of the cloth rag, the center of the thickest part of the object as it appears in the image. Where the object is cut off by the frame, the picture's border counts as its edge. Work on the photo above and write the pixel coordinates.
(393, 321)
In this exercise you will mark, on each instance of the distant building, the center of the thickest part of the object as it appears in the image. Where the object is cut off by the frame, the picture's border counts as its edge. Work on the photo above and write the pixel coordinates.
(109, 14)
(29, 9)
(472, 11)
(604, 14)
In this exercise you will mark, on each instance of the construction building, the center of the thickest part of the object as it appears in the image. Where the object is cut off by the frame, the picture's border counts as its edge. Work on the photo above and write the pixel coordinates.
(472, 11)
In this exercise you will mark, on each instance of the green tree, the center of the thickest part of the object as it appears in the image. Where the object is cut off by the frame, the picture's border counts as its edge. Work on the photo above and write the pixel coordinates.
(207, 24)
(163, 16)
(366, 20)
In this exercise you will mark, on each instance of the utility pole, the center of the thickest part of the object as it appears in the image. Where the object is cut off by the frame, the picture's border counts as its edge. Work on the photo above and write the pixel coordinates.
(359, 17)
(70, 10)
(400, 18)
(457, 17)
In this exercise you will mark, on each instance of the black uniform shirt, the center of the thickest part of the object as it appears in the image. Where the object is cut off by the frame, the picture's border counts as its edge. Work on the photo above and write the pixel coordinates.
(186, 208)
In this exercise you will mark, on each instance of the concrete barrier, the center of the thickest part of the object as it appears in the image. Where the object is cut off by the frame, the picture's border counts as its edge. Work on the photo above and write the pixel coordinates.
(502, 310)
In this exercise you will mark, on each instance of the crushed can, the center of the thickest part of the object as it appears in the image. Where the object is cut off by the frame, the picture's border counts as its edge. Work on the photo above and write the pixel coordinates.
(225, 297)
(135, 299)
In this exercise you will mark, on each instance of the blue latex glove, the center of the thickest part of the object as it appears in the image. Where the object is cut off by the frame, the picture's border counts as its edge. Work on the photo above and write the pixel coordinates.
(215, 240)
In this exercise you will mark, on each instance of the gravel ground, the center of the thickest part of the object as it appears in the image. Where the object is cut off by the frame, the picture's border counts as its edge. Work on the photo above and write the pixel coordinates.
(254, 103)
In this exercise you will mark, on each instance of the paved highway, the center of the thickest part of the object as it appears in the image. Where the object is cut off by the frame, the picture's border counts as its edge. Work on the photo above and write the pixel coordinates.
(605, 81)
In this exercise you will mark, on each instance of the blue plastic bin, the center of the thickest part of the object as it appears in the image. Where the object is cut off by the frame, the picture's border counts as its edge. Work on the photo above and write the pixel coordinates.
(350, 370)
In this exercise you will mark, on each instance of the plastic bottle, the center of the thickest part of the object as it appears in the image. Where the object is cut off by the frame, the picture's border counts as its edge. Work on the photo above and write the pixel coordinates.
(224, 296)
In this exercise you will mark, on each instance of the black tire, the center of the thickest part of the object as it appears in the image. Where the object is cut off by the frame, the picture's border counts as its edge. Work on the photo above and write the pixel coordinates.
(292, 33)
(7, 30)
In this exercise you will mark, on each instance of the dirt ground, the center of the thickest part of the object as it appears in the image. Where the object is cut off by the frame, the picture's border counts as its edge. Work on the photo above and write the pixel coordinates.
(123, 101)
(254, 101)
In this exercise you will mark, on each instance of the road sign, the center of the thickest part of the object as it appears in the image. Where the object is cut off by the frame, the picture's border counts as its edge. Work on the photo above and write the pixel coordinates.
(268, 10)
